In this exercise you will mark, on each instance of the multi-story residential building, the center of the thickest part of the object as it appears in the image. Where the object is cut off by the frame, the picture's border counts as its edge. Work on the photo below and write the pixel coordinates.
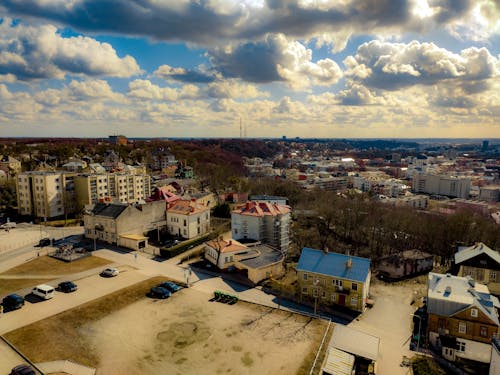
(451, 186)
(123, 224)
(188, 219)
(481, 263)
(161, 159)
(112, 187)
(263, 221)
(490, 193)
(462, 317)
(46, 194)
(333, 278)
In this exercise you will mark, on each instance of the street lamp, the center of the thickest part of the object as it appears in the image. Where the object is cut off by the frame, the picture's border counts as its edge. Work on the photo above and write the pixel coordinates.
(97, 227)
(315, 292)
(419, 327)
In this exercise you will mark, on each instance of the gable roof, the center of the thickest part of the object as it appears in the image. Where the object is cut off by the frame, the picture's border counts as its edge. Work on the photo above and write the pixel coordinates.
(470, 252)
(449, 295)
(258, 208)
(333, 264)
(224, 246)
(186, 207)
(112, 210)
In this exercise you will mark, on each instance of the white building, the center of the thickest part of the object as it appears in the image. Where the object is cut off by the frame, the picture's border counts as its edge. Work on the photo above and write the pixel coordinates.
(495, 357)
(45, 194)
(451, 186)
(263, 221)
(188, 219)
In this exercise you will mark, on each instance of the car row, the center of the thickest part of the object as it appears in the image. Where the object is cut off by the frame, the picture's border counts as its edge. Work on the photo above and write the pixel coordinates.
(164, 290)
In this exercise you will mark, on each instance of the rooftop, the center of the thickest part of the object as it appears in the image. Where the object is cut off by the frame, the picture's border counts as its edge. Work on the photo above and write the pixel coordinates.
(467, 253)
(112, 210)
(267, 255)
(262, 209)
(334, 264)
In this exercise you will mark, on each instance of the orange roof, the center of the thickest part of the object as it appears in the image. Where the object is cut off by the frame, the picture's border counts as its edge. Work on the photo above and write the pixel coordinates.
(262, 209)
(226, 246)
(186, 207)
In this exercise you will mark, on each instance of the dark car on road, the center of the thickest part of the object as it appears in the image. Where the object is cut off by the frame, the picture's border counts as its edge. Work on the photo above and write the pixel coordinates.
(22, 370)
(67, 287)
(12, 302)
(159, 292)
(44, 242)
(170, 286)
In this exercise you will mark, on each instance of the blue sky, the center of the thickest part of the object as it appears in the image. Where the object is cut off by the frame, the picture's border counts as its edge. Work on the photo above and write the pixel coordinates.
(308, 68)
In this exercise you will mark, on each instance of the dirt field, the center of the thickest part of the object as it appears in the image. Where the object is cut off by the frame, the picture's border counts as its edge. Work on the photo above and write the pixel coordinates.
(187, 334)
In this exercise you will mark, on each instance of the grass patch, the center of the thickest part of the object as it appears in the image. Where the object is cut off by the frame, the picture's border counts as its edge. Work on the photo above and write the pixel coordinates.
(58, 337)
(46, 265)
(426, 366)
(305, 367)
(8, 286)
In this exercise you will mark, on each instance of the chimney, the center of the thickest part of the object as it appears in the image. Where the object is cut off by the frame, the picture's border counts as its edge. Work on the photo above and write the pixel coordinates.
(348, 264)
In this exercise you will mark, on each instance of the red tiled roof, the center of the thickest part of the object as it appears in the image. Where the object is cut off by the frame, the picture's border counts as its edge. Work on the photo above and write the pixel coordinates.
(262, 209)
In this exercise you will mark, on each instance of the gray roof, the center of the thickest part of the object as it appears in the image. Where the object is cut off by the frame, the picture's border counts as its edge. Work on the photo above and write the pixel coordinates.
(355, 342)
(467, 253)
(448, 295)
(268, 255)
(112, 210)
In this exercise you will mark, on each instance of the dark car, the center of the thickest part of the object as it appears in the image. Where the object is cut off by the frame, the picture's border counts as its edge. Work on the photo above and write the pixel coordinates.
(12, 302)
(44, 242)
(67, 286)
(159, 292)
(22, 370)
(170, 286)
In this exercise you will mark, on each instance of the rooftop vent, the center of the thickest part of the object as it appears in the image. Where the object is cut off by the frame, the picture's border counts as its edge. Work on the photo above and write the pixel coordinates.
(348, 264)
(447, 291)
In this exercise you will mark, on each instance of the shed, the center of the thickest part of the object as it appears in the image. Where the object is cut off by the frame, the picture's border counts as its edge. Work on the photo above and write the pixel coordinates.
(132, 241)
(338, 363)
(355, 342)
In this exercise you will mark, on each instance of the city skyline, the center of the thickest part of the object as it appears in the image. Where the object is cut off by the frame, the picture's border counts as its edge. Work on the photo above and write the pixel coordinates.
(329, 69)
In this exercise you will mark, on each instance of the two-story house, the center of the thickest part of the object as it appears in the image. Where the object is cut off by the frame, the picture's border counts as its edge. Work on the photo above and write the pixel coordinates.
(481, 263)
(334, 278)
(463, 317)
(188, 219)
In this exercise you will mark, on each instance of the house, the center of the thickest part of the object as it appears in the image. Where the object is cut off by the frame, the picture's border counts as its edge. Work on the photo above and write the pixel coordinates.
(257, 262)
(334, 278)
(263, 221)
(188, 219)
(481, 263)
(462, 317)
(122, 224)
(404, 264)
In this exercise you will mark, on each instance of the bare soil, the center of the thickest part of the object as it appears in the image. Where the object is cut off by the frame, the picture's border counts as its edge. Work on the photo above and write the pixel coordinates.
(46, 265)
(8, 286)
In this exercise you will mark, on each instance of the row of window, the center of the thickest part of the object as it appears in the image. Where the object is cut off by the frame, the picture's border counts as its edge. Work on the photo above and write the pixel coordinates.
(335, 282)
(334, 297)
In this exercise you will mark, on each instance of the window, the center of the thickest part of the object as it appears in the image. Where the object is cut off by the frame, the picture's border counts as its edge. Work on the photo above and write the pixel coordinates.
(460, 346)
(462, 327)
(493, 276)
(305, 277)
(304, 290)
(354, 286)
(337, 282)
(334, 297)
(354, 301)
(323, 294)
(483, 331)
(185, 222)
(315, 292)
(473, 313)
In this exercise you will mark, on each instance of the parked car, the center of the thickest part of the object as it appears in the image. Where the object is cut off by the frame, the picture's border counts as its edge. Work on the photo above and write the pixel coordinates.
(67, 287)
(159, 292)
(170, 286)
(44, 242)
(22, 370)
(9, 225)
(110, 272)
(170, 243)
(44, 291)
(12, 302)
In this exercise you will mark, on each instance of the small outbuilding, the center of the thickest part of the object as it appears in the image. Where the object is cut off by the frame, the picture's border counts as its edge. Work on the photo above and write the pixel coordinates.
(405, 264)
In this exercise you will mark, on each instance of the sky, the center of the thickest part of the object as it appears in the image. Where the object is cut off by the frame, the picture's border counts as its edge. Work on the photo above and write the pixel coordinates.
(295, 68)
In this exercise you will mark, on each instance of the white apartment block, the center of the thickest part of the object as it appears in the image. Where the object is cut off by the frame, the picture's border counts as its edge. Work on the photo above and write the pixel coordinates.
(112, 187)
(451, 186)
(45, 194)
(263, 221)
(188, 219)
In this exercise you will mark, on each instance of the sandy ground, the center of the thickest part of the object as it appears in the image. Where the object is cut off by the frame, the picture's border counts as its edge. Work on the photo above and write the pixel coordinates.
(390, 320)
(188, 334)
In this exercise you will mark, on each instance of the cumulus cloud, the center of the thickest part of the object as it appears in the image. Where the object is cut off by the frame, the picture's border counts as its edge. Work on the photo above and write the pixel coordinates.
(210, 22)
(391, 66)
(274, 59)
(145, 89)
(183, 75)
(31, 52)
(233, 89)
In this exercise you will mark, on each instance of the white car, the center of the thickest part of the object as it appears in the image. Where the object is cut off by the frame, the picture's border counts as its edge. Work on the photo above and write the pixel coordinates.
(110, 272)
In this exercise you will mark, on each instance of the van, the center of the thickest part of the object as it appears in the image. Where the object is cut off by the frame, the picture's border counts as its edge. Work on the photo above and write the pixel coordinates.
(43, 291)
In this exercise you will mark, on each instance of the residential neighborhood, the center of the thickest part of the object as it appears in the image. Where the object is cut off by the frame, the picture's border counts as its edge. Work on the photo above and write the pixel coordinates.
(394, 259)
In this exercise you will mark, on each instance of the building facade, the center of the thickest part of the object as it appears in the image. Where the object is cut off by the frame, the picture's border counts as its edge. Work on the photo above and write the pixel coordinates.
(334, 279)
(45, 194)
(450, 186)
(263, 221)
(462, 317)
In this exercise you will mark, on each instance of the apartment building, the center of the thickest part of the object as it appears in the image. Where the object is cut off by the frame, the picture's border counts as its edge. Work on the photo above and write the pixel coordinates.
(188, 219)
(451, 186)
(46, 194)
(112, 187)
(463, 317)
(263, 221)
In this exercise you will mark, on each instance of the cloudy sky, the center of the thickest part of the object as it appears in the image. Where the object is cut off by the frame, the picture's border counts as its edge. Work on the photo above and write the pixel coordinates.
(196, 68)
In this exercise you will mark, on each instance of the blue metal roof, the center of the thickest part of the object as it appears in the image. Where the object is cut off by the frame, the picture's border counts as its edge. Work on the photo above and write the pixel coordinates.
(333, 264)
